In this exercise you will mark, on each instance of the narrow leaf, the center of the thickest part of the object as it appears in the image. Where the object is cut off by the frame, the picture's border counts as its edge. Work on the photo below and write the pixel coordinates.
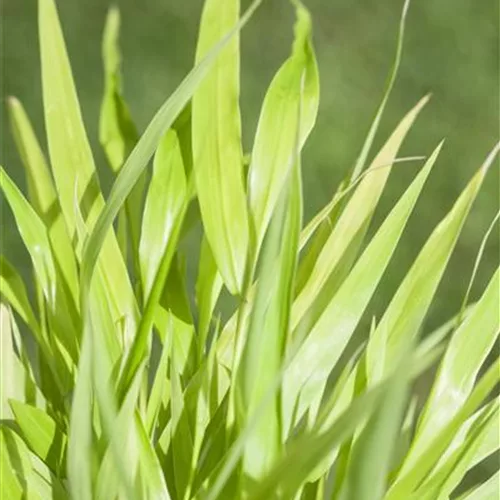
(309, 369)
(41, 434)
(273, 149)
(407, 310)
(43, 195)
(217, 150)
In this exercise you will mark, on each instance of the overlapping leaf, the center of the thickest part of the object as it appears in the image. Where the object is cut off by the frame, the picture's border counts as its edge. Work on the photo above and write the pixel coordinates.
(310, 368)
(217, 154)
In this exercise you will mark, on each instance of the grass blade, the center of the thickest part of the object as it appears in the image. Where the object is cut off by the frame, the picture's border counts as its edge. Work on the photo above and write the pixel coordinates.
(208, 287)
(36, 240)
(268, 328)
(486, 491)
(321, 350)
(217, 149)
(363, 155)
(480, 441)
(71, 157)
(12, 484)
(146, 146)
(117, 132)
(465, 355)
(13, 291)
(407, 310)
(414, 472)
(43, 195)
(80, 432)
(372, 452)
(16, 375)
(42, 434)
(273, 149)
(348, 233)
(165, 200)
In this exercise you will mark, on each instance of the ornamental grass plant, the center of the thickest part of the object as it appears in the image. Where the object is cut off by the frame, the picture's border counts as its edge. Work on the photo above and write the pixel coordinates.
(121, 379)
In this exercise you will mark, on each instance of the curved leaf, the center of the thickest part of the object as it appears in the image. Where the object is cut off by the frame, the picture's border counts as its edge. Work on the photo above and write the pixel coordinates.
(316, 357)
(406, 312)
(273, 149)
(43, 195)
(42, 434)
(217, 152)
(164, 202)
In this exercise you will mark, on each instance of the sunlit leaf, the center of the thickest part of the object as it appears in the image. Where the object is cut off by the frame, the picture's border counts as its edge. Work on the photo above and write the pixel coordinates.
(42, 194)
(466, 353)
(273, 149)
(217, 153)
(407, 310)
(309, 370)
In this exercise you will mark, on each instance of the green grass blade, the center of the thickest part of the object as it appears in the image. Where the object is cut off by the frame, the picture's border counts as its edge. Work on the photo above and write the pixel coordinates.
(273, 148)
(465, 355)
(480, 441)
(42, 194)
(438, 336)
(80, 443)
(165, 200)
(117, 132)
(18, 458)
(175, 300)
(414, 472)
(340, 429)
(485, 491)
(348, 233)
(182, 438)
(71, 157)
(150, 467)
(155, 399)
(36, 240)
(13, 291)
(217, 149)
(293, 469)
(111, 481)
(34, 235)
(42, 434)
(268, 328)
(372, 452)
(363, 155)
(146, 146)
(140, 346)
(329, 336)
(50, 485)
(12, 484)
(16, 374)
(208, 287)
(476, 264)
(407, 310)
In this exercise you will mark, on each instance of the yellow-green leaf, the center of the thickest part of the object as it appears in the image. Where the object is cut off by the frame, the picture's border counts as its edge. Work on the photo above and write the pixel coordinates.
(273, 148)
(165, 200)
(217, 152)
(407, 310)
(348, 233)
(310, 367)
(42, 434)
(71, 158)
(42, 194)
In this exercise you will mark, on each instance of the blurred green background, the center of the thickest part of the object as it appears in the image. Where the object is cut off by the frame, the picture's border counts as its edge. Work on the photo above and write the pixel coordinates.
(451, 49)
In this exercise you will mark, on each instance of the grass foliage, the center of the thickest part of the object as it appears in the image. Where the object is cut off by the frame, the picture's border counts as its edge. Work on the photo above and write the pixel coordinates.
(120, 378)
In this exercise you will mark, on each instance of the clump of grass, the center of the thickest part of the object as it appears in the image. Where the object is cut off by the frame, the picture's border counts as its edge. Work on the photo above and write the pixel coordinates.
(115, 386)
